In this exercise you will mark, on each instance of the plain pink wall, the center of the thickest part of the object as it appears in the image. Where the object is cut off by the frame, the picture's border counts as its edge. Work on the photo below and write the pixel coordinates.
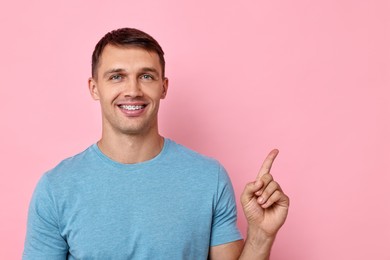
(308, 77)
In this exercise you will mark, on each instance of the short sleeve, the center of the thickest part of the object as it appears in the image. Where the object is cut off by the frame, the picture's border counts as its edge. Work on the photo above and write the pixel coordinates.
(224, 226)
(43, 238)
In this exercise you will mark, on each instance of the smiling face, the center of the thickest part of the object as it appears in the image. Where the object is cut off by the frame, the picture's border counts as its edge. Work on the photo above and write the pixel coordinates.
(129, 85)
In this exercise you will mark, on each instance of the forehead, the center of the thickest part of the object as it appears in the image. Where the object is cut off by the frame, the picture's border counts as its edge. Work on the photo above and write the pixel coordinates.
(128, 57)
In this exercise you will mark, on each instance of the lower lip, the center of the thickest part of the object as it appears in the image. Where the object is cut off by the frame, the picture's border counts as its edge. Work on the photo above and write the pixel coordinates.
(132, 113)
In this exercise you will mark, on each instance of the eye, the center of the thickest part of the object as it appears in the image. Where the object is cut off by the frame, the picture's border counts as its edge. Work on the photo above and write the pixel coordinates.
(147, 77)
(116, 77)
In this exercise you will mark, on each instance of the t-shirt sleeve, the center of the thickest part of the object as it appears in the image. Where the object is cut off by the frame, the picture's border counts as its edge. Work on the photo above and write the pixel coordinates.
(224, 226)
(43, 238)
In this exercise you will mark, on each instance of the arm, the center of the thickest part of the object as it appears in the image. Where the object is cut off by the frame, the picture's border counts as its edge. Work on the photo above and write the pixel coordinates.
(43, 238)
(265, 207)
(240, 250)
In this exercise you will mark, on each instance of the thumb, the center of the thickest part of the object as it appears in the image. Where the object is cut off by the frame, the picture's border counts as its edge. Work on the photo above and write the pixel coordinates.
(249, 192)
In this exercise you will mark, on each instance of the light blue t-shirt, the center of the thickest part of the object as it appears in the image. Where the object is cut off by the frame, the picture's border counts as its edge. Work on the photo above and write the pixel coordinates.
(174, 206)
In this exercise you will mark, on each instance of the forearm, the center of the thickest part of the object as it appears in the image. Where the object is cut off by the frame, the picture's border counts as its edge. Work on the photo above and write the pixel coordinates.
(257, 246)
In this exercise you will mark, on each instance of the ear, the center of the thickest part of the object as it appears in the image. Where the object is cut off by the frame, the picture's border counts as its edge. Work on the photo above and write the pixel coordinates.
(165, 88)
(93, 90)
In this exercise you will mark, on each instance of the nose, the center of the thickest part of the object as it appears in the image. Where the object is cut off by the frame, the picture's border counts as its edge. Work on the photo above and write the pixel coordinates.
(133, 89)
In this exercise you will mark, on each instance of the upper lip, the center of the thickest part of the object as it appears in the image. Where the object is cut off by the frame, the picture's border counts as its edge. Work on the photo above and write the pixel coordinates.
(131, 103)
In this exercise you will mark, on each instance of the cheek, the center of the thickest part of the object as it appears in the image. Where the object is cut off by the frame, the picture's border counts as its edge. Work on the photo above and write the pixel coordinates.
(154, 92)
(109, 96)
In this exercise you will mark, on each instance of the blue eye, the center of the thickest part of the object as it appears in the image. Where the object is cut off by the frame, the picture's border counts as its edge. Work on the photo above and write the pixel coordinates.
(146, 76)
(116, 77)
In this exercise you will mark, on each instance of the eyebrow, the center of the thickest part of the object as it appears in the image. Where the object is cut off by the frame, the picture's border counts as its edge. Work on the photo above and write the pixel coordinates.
(111, 71)
(151, 70)
(120, 70)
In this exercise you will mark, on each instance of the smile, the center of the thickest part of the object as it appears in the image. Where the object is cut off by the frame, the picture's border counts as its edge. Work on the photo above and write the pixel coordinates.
(131, 108)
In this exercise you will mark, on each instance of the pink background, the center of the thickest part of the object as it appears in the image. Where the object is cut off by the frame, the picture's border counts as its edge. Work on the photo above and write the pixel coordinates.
(308, 77)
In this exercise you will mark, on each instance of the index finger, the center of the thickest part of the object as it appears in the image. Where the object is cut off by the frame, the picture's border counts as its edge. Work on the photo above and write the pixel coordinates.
(267, 164)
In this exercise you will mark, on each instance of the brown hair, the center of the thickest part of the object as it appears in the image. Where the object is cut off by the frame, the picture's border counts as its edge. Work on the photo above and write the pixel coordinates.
(123, 37)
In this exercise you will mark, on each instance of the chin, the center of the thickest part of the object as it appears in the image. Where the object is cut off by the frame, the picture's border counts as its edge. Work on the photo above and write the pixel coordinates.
(138, 130)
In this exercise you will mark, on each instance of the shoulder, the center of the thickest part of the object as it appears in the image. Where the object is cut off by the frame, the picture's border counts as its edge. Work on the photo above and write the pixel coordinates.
(72, 166)
(188, 156)
(195, 164)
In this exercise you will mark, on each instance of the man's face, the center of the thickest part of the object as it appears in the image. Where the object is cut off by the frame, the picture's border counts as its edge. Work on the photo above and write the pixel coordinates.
(129, 85)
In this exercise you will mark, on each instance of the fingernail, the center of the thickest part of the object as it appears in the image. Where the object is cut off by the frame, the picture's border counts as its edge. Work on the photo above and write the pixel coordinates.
(260, 200)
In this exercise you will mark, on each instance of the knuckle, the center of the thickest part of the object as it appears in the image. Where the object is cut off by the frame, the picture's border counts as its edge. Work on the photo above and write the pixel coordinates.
(265, 193)
(267, 177)
(277, 194)
(248, 185)
(287, 199)
(276, 185)
(271, 186)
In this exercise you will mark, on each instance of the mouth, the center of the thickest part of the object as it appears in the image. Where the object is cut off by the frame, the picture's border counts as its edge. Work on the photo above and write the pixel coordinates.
(132, 107)
(133, 110)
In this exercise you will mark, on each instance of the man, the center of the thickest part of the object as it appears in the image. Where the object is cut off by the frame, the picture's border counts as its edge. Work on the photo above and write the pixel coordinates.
(137, 195)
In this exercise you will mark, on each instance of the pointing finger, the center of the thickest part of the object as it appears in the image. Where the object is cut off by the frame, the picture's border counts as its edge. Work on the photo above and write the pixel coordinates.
(267, 164)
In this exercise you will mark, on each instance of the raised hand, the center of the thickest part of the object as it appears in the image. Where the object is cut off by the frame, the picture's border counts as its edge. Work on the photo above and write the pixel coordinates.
(264, 203)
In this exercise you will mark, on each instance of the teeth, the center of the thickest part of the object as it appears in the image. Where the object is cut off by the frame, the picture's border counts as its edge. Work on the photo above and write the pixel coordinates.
(127, 107)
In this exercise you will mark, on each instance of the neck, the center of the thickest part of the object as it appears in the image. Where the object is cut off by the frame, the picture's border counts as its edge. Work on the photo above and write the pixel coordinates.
(131, 149)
